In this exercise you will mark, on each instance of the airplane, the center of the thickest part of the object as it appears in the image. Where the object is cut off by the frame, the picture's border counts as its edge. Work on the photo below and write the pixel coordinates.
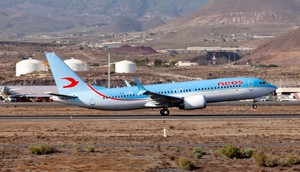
(188, 95)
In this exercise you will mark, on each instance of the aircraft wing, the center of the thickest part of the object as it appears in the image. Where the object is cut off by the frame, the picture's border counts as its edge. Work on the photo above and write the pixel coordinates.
(158, 99)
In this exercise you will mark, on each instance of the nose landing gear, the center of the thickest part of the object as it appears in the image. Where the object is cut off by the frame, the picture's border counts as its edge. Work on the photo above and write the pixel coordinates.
(164, 112)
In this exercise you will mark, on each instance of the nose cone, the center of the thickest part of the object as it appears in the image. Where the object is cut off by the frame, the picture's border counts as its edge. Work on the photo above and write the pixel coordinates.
(272, 88)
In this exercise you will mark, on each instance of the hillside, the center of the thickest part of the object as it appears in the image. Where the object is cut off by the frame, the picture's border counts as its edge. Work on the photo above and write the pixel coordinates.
(122, 24)
(282, 51)
(18, 18)
(220, 19)
(247, 12)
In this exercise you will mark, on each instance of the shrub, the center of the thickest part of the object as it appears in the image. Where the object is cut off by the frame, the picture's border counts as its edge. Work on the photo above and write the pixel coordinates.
(184, 163)
(62, 145)
(292, 159)
(42, 149)
(273, 65)
(197, 150)
(198, 153)
(158, 62)
(230, 151)
(270, 161)
(171, 127)
(157, 146)
(89, 148)
(248, 153)
(260, 158)
(94, 64)
(264, 160)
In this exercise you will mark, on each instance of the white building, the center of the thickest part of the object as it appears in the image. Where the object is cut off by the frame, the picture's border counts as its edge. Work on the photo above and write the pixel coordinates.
(125, 67)
(219, 48)
(77, 65)
(186, 63)
(111, 44)
(30, 65)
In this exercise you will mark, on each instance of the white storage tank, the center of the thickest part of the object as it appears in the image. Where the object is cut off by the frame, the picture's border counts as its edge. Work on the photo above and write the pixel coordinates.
(29, 65)
(76, 65)
(125, 67)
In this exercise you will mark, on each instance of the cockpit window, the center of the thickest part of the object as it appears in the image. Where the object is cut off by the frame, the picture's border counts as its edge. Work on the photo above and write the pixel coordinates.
(263, 83)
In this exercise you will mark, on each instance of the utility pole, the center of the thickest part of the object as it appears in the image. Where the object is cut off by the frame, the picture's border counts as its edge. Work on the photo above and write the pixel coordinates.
(108, 67)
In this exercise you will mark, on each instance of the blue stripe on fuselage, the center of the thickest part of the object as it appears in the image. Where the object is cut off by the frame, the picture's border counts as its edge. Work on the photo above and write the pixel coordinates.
(185, 87)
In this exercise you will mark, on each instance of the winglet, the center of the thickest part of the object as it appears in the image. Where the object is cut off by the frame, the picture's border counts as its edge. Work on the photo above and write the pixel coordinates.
(142, 89)
(127, 83)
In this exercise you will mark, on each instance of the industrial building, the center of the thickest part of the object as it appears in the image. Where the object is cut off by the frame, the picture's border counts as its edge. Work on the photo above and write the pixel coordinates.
(125, 67)
(77, 65)
(288, 94)
(30, 65)
(219, 49)
(185, 64)
(27, 93)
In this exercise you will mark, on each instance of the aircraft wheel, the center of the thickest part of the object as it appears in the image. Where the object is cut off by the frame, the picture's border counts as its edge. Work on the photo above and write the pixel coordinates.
(254, 106)
(165, 112)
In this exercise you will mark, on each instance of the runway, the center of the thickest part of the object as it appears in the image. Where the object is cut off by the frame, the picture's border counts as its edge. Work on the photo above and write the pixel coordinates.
(147, 117)
(233, 103)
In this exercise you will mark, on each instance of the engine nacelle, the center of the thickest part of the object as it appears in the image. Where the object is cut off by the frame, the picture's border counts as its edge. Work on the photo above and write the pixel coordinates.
(193, 102)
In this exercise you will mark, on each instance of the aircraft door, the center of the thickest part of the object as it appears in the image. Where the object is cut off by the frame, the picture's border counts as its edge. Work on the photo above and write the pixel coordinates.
(92, 102)
(250, 85)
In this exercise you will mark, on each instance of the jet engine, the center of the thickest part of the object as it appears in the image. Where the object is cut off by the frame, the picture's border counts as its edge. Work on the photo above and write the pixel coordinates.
(193, 102)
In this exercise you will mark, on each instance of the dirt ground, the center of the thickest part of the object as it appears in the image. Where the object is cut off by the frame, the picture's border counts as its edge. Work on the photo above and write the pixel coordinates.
(139, 145)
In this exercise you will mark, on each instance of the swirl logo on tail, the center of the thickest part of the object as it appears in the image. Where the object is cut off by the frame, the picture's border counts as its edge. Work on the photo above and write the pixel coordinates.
(72, 81)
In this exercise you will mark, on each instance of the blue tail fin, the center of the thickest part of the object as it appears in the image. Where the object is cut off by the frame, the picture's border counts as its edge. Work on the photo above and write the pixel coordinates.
(67, 81)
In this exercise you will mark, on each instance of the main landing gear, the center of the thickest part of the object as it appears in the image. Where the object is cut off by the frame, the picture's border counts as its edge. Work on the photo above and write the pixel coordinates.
(254, 105)
(164, 112)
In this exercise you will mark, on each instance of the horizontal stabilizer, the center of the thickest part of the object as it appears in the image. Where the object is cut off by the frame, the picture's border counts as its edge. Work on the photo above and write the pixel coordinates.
(63, 96)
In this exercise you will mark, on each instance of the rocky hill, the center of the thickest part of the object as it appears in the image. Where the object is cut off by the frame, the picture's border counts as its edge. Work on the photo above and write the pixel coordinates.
(141, 50)
(221, 18)
(25, 17)
(221, 12)
(282, 51)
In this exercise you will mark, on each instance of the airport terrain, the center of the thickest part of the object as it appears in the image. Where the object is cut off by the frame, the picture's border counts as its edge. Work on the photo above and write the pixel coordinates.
(139, 145)
(93, 140)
